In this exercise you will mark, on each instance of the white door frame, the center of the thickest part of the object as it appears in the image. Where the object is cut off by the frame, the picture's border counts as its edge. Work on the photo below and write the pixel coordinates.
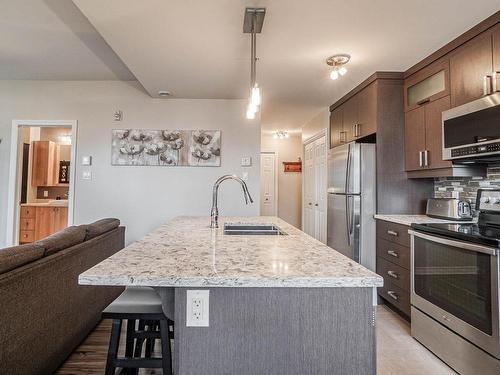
(276, 173)
(13, 211)
(315, 137)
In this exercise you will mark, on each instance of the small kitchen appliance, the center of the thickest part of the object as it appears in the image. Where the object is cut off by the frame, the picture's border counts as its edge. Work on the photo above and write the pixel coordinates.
(449, 208)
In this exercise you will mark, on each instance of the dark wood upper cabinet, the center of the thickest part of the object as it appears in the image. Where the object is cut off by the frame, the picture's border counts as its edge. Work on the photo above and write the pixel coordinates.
(350, 118)
(496, 56)
(471, 69)
(367, 111)
(336, 127)
(414, 138)
(428, 84)
(433, 158)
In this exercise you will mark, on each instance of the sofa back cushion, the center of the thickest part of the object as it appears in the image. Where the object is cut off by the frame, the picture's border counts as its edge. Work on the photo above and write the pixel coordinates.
(100, 227)
(17, 256)
(63, 239)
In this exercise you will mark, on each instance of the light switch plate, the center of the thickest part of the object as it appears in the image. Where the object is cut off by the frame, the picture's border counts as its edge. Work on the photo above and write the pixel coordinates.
(246, 161)
(197, 308)
(86, 175)
(86, 160)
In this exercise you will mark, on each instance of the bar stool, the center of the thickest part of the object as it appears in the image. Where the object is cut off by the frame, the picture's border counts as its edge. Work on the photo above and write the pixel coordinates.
(142, 309)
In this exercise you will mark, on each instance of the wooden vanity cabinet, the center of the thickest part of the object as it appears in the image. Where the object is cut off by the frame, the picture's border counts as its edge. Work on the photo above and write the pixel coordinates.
(43, 162)
(37, 222)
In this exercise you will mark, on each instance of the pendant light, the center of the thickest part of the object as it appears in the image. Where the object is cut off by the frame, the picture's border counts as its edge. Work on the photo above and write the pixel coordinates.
(252, 24)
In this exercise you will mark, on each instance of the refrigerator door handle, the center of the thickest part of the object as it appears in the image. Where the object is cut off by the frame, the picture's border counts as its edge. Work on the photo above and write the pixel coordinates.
(348, 170)
(347, 219)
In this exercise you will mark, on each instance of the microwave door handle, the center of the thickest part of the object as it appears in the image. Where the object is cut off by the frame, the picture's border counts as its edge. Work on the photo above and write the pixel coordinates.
(462, 245)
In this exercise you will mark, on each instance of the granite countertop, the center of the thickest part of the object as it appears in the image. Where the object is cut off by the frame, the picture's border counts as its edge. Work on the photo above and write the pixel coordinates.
(55, 203)
(185, 252)
(416, 219)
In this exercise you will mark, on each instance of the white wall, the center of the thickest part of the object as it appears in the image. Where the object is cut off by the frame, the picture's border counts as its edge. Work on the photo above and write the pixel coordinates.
(289, 183)
(318, 123)
(141, 197)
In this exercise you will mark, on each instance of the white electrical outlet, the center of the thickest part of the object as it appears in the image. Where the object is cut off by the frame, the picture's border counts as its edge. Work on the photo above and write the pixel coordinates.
(86, 175)
(197, 307)
(45, 193)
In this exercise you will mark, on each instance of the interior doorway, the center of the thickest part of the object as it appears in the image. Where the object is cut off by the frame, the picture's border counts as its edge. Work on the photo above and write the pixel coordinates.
(41, 179)
(268, 184)
(315, 187)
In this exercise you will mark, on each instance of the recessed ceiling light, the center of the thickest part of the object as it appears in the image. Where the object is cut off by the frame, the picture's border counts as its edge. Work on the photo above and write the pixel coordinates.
(164, 93)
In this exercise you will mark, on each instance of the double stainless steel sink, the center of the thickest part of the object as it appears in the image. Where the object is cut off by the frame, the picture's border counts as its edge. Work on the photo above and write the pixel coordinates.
(252, 229)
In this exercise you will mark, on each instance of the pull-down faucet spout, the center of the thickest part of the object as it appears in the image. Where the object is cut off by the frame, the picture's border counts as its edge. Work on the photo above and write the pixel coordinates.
(214, 214)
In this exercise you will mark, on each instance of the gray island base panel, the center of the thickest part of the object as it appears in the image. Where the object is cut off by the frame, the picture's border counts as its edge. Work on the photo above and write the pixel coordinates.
(278, 305)
(279, 331)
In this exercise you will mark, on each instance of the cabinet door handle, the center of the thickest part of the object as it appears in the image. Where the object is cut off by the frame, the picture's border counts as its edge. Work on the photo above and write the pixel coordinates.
(496, 78)
(426, 158)
(393, 274)
(420, 159)
(423, 101)
(355, 129)
(392, 233)
(487, 84)
(392, 253)
(393, 295)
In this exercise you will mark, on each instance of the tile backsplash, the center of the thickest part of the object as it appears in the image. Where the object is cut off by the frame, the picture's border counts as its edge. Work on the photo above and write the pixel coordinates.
(466, 186)
(53, 192)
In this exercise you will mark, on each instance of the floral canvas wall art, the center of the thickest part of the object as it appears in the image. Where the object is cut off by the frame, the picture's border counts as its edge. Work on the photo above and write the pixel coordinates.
(143, 147)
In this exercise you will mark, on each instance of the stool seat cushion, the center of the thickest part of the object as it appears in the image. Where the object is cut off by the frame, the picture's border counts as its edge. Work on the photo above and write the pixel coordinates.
(136, 300)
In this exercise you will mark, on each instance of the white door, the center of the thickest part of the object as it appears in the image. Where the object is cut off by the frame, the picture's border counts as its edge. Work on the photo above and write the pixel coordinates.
(315, 189)
(309, 189)
(320, 182)
(268, 201)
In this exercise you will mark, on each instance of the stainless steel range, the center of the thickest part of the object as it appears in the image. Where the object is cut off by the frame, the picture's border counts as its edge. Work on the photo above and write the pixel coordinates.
(455, 289)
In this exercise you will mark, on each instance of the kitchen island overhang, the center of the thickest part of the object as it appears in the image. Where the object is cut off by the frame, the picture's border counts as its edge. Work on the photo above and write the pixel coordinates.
(278, 304)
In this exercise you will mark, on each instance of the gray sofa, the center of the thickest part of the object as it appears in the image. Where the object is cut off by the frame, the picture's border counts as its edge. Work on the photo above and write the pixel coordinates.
(44, 313)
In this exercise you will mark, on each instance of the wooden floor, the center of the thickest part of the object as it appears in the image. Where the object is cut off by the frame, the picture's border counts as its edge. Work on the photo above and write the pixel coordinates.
(397, 352)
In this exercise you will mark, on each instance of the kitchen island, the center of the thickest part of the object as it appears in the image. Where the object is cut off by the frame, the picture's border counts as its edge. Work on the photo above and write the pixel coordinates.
(278, 304)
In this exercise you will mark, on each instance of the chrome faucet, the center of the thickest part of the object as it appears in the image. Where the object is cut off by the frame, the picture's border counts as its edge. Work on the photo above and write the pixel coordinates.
(214, 214)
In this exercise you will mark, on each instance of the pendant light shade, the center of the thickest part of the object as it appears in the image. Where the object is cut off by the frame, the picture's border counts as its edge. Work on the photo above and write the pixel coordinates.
(252, 24)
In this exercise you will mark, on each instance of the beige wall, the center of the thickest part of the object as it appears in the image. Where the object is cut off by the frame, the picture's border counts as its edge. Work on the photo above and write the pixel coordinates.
(289, 184)
(318, 123)
(141, 197)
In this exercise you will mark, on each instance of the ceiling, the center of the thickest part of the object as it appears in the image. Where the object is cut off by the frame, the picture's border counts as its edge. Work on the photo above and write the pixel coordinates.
(196, 49)
(53, 40)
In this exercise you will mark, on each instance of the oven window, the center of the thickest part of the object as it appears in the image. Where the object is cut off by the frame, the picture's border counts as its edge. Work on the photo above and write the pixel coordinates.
(474, 127)
(456, 280)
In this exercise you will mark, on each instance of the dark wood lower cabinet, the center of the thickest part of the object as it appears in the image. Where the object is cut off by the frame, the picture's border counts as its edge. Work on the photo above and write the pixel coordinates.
(393, 264)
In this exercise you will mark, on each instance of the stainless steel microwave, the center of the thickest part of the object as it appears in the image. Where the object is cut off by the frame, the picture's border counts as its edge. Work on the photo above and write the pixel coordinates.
(471, 132)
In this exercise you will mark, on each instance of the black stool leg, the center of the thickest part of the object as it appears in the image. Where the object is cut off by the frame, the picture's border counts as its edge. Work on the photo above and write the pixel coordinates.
(138, 342)
(129, 345)
(166, 355)
(114, 341)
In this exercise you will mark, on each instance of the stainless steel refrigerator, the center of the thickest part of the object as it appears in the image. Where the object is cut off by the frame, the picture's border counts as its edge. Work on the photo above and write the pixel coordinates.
(352, 201)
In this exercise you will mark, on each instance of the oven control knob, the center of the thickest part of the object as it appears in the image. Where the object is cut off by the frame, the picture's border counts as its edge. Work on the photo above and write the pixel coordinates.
(496, 200)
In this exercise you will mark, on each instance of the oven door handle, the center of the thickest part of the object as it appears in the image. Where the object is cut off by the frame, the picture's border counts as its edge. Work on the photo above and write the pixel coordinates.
(460, 244)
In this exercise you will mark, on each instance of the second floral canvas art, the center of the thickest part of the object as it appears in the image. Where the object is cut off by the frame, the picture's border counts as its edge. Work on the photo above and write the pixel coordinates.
(144, 147)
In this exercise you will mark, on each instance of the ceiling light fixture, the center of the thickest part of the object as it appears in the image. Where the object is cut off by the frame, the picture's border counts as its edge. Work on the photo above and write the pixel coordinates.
(252, 24)
(280, 134)
(338, 63)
